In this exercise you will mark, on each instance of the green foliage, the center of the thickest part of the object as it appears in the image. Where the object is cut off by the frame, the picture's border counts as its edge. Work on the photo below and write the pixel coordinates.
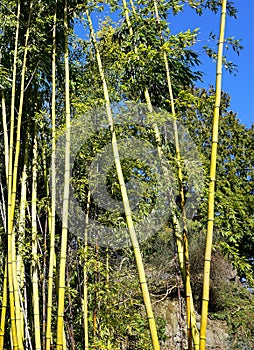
(229, 300)
(214, 5)
(234, 196)
(230, 42)
(145, 67)
(116, 313)
(237, 309)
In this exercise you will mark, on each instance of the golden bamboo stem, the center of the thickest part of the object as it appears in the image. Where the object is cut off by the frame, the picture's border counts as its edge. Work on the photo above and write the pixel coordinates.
(61, 293)
(52, 210)
(211, 193)
(21, 230)
(9, 182)
(5, 282)
(35, 279)
(85, 288)
(6, 139)
(127, 209)
(3, 308)
(14, 187)
(182, 241)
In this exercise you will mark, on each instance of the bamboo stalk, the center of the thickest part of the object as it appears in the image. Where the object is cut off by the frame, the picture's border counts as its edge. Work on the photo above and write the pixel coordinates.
(35, 284)
(107, 284)
(69, 322)
(181, 239)
(5, 282)
(9, 182)
(21, 230)
(3, 308)
(47, 228)
(85, 288)
(20, 112)
(127, 209)
(6, 138)
(64, 341)
(182, 243)
(44, 286)
(10, 176)
(61, 293)
(20, 279)
(96, 301)
(211, 193)
(126, 13)
(53, 190)
(14, 186)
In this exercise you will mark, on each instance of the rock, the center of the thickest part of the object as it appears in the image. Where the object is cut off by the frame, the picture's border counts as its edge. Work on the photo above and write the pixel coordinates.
(217, 334)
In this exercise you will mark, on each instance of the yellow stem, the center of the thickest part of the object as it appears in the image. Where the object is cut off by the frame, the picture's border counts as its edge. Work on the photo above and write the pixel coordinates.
(211, 194)
(61, 293)
(4, 308)
(126, 204)
(53, 194)
(35, 280)
(85, 289)
(10, 200)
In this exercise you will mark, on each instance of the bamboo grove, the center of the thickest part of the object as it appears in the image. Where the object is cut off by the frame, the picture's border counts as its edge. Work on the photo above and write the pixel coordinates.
(57, 289)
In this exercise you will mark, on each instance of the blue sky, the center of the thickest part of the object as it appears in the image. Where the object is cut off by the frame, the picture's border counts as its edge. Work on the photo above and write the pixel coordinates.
(240, 87)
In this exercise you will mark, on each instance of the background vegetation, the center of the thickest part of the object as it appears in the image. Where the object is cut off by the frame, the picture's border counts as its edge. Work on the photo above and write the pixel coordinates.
(49, 77)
